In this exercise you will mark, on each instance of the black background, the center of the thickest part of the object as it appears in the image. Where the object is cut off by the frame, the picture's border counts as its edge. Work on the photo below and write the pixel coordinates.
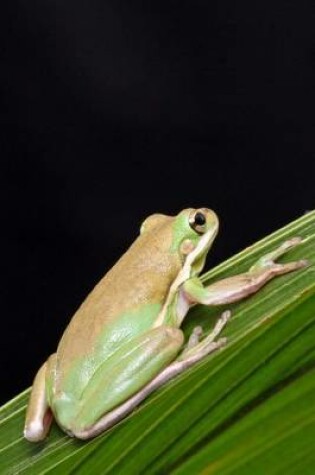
(114, 110)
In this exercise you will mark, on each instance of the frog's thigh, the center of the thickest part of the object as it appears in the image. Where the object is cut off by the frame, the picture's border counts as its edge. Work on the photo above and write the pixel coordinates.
(38, 415)
(191, 355)
(120, 377)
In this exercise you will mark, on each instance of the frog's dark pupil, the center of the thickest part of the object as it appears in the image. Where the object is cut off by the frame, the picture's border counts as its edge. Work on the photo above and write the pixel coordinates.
(200, 219)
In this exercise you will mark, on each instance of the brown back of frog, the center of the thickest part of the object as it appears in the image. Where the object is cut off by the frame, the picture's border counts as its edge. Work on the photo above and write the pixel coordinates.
(142, 276)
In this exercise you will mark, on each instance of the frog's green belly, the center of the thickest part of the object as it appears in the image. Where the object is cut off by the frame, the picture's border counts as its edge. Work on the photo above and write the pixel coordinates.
(112, 372)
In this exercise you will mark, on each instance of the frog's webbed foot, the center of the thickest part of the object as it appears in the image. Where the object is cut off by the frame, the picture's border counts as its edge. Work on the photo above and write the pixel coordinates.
(194, 338)
(268, 261)
(196, 350)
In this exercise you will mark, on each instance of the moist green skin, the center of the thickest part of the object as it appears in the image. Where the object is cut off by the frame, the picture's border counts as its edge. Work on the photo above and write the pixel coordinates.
(123, 330)
(181, 227)
(103, 368)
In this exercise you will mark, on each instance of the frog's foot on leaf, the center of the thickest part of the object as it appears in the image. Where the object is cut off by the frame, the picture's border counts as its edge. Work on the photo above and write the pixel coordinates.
(189, 358)
(268, 261)
(198, 349)
(194, 338)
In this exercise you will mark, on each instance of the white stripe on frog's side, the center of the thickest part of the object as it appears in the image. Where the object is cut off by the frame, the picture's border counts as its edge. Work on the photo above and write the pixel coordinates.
(184, 274)
(182, 307)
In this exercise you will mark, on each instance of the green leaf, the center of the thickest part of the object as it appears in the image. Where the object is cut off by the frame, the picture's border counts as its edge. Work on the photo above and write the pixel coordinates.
(248, 409)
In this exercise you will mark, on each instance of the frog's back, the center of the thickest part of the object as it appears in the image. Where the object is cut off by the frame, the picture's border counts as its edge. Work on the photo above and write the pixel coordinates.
(123, 304)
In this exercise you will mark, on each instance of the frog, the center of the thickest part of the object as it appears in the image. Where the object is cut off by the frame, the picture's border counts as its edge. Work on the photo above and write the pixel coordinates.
(125, 340)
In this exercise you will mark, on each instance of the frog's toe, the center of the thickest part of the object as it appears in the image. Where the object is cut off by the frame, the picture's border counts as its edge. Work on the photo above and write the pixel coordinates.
(295, 241)
(195, 337)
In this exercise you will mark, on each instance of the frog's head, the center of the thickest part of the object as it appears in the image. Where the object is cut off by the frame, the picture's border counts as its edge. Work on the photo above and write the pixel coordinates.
(187, 237)
(194, 231)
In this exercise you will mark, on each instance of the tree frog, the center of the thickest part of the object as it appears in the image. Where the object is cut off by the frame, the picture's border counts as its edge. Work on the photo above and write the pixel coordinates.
(125, 340)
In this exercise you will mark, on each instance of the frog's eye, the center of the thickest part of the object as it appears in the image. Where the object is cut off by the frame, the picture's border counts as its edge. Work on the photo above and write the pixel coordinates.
(198, 221)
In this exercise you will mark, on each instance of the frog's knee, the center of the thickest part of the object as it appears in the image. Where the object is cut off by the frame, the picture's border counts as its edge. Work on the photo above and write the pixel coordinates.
(175, 334)
(168, 336)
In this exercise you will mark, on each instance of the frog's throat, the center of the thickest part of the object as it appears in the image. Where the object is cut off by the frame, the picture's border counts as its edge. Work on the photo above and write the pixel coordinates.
(203, 246)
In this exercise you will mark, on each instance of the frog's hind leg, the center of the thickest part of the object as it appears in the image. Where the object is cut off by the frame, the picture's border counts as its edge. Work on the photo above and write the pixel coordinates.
(194, 352)
(38, 416)
(120, 382)
(197, 349)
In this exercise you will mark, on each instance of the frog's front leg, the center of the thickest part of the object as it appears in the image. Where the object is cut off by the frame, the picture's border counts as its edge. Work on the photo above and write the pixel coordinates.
(237, 287)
